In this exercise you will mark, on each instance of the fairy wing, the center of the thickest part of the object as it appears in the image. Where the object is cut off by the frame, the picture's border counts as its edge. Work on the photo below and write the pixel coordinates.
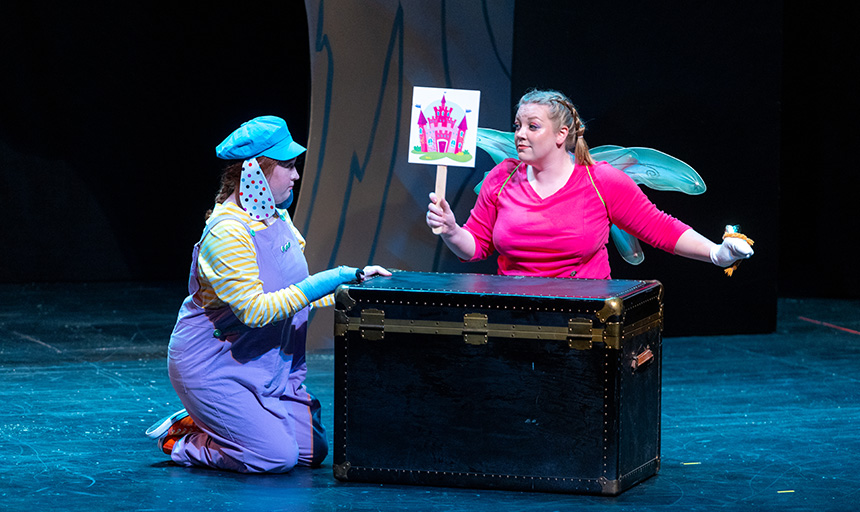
(645, 166)
(627, 245)
(499, 145)
(652, 168)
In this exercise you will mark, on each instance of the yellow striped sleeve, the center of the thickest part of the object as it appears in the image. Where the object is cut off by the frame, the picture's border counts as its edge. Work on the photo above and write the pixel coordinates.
(227, 265)
(328, 300)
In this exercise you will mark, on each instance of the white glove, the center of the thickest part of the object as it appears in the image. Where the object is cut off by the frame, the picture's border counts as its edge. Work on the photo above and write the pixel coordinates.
(730, 251)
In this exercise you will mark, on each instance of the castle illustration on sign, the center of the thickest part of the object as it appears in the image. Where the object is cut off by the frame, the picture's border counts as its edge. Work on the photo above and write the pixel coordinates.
(442, 132)
(436, 134)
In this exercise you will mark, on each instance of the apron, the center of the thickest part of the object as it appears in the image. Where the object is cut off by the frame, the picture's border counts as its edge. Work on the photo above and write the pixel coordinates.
(243, 386)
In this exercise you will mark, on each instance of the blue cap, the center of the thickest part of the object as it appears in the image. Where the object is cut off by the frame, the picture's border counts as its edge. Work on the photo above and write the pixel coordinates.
(261, 136)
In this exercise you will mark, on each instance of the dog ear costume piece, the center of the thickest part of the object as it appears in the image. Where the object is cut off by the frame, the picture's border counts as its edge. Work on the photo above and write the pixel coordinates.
(255, 196)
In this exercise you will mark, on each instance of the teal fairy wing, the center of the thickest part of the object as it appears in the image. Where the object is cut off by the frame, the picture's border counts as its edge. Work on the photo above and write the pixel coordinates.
(652, 168)
(627, 245)
(499, 145)
(645, 166)
(655, 170)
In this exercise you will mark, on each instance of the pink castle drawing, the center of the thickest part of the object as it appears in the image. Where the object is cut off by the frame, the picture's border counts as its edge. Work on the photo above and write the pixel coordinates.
(437, 133)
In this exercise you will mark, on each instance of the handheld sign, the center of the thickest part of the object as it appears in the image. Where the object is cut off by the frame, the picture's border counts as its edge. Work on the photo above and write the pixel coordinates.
(444, 130)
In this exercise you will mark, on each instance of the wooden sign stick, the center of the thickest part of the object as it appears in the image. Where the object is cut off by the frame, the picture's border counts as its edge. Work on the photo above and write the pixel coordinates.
(441, 179)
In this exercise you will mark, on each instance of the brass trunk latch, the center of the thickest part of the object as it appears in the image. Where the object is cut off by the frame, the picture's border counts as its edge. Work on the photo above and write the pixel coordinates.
(372, 324)
(475, 328)
(579, 333)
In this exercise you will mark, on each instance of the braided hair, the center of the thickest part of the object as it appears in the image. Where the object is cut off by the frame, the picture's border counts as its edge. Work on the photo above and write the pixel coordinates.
(562, 113)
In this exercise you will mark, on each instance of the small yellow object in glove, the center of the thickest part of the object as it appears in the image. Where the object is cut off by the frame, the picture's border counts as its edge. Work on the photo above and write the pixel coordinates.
(734, 232)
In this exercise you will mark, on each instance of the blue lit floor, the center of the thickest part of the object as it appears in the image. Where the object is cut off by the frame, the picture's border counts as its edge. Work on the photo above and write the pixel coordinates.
(768, 422)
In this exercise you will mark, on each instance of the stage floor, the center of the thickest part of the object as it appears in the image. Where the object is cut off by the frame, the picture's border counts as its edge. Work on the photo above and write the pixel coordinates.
(767, 422)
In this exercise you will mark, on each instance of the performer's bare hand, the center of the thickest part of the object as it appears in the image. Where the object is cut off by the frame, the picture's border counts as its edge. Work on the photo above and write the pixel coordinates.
(439, 215)
(374, 270)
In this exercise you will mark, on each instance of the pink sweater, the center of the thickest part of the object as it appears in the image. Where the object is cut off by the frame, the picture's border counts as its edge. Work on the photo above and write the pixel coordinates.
(565, 234)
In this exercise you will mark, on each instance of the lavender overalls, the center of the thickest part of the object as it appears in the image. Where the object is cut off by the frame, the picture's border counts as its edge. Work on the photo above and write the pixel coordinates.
(244, 386)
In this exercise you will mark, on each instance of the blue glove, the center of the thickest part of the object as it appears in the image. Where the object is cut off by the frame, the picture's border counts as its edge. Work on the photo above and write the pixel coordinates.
(322, 283)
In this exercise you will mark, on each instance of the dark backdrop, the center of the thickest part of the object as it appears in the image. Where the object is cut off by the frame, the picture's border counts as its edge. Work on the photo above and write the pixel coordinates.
(697, 80)
(109, 118)
(105, 115)
(819, 175)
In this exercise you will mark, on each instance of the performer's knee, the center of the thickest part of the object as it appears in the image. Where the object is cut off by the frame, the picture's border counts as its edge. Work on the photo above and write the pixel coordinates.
(279, 457)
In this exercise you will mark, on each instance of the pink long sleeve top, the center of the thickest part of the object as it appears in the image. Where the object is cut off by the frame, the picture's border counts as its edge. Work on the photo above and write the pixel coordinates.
(565, 234)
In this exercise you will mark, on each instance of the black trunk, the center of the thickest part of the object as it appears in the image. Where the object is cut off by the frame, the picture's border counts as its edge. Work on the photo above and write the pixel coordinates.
(498, 382)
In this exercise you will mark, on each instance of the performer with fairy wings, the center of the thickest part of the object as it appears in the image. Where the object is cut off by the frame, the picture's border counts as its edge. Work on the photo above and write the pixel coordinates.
(548, 214)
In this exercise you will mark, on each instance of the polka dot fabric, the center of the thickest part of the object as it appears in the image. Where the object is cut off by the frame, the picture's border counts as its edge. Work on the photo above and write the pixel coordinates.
(254, 194)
